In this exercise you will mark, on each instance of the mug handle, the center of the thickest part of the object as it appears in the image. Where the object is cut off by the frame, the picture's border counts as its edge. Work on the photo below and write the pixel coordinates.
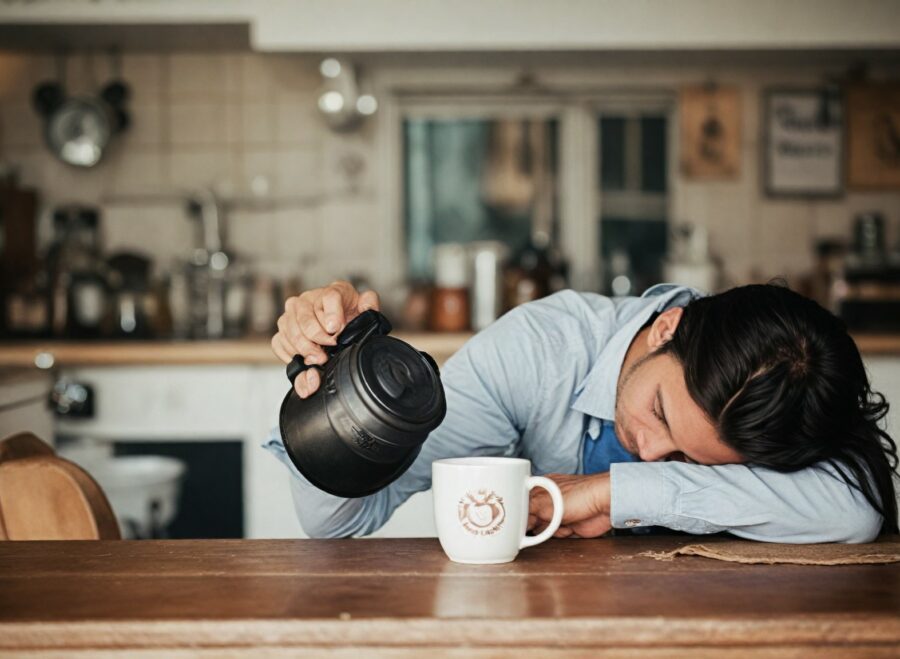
(555, 494)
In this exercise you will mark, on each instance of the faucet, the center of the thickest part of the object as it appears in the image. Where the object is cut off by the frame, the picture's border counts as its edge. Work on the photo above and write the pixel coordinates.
(206, 207)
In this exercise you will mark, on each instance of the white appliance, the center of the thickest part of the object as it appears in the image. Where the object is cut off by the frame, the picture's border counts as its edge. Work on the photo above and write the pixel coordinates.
(142, 489)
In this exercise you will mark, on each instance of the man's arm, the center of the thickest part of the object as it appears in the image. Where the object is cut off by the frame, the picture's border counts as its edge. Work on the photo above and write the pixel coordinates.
(810, 505)
(489, 385)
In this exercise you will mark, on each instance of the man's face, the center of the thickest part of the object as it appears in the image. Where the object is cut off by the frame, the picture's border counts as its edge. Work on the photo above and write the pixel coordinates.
(657, 419)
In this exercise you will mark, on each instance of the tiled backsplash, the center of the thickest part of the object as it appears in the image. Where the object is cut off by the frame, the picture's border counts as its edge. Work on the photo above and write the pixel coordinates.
(248, 124)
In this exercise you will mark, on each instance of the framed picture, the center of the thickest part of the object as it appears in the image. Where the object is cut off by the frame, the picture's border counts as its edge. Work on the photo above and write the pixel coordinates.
(803, 143)
(710, 132)
(873, 122)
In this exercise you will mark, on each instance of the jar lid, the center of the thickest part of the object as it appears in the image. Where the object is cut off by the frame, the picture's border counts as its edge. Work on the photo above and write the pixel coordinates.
(401, 381)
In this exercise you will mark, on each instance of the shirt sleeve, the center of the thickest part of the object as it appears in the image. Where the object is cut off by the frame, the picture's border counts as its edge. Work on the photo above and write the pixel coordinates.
(806, 506)
(489, 384)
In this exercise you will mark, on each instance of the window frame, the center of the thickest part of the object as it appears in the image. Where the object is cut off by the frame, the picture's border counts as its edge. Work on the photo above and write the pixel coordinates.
(493, 94)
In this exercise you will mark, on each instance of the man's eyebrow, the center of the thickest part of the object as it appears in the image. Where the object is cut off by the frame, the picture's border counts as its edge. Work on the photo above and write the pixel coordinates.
(662, 409)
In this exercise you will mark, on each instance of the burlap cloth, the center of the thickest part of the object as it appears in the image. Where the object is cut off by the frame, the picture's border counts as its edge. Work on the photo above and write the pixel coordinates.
(740, 551)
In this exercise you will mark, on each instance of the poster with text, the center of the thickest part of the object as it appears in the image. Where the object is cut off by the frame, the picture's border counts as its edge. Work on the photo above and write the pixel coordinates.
(803, 145)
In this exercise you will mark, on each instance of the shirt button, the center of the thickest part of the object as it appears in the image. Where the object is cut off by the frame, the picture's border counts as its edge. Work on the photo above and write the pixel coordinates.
(632, 522)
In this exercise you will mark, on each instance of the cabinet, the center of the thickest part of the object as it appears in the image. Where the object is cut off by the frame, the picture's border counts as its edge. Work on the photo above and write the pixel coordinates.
(103, 12)
(215, 404)
(502, 25)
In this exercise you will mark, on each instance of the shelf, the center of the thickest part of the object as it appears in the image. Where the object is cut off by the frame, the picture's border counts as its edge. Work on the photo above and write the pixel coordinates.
(237, 351)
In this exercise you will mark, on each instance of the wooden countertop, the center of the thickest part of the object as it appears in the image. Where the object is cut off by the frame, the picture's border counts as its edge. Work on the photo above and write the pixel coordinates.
(257, 351)
(236, 351)
(403, 598)
(878, 344)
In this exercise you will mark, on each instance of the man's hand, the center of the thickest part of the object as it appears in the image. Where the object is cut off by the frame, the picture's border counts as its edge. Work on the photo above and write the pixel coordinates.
(586, 506)
(314, 319)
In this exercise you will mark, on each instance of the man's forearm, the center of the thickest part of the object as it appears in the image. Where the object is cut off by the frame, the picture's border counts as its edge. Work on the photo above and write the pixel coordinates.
(810, 505)
(320, 514)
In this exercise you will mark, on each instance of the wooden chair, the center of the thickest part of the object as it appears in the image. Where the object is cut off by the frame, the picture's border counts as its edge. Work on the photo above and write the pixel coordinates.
(44, 497)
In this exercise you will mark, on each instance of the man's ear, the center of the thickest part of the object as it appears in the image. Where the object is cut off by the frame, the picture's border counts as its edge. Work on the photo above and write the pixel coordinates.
(663, 327)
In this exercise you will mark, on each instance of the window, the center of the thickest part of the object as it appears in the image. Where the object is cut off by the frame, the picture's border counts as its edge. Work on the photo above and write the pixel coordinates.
(632, 198)
(468, 179)
(462, 163)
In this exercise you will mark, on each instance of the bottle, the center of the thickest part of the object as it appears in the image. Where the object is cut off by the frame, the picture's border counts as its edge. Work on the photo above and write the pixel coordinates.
(486, 258)
(450, 298)
(539, 268)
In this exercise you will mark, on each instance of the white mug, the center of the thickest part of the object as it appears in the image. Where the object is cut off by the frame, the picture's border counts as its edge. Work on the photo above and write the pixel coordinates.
(481, 507)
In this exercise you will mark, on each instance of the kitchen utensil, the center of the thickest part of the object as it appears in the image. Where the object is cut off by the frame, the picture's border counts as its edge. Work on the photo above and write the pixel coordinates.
(79, 275)
(342, 103)
(218, 284)
(133, 305)
(378, 400)
(78, 129)
(868, 232)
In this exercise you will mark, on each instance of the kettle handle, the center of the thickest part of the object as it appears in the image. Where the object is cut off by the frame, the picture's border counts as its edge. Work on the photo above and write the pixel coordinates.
(366, 324)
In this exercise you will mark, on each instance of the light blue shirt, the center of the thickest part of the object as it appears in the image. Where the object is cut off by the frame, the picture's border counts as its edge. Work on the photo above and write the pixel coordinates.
(538, 383)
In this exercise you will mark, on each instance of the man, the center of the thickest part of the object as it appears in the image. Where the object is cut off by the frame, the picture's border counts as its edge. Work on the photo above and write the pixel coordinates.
(747, 411)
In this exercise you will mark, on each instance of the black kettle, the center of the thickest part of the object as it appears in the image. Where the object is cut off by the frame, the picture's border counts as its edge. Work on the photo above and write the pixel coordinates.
(378, 400)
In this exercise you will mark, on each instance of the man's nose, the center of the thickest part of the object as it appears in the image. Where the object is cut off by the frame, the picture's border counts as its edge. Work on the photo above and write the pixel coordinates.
(652, 450)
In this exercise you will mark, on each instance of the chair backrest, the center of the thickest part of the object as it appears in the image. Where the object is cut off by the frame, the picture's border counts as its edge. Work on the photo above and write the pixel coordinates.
(44, 497)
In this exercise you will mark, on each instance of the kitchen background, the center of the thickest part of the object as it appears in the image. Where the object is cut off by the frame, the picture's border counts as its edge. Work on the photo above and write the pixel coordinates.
(262, 156)
(307, 197)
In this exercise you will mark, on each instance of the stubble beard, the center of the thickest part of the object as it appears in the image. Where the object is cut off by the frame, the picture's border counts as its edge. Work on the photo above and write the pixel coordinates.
(618, 425)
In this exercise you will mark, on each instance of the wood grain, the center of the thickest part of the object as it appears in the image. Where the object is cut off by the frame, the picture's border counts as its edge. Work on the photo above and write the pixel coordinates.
(402, 596)
(873, 121)
(257, 351)
(44, 497)
(556, 652)
(243, 351)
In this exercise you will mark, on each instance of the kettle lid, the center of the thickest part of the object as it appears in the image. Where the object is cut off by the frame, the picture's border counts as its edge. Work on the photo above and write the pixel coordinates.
(401, 381)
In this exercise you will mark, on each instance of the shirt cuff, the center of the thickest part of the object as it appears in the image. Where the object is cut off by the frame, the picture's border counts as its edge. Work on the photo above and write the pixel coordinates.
(641, 494)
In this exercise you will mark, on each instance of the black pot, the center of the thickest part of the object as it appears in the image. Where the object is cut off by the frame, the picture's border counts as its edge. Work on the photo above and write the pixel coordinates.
(378, 400)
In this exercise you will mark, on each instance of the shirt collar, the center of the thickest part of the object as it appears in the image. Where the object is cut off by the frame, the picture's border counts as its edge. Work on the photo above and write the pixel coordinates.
(596, 394)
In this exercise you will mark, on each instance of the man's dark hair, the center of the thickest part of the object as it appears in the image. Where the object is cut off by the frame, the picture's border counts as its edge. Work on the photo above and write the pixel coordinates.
(785, 386)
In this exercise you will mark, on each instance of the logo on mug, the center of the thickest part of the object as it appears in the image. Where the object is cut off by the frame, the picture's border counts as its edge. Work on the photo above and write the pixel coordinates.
(481, 513)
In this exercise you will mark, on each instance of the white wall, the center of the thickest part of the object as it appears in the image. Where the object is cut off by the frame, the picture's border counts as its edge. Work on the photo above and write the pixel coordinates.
(373, 25)
(524, 25)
